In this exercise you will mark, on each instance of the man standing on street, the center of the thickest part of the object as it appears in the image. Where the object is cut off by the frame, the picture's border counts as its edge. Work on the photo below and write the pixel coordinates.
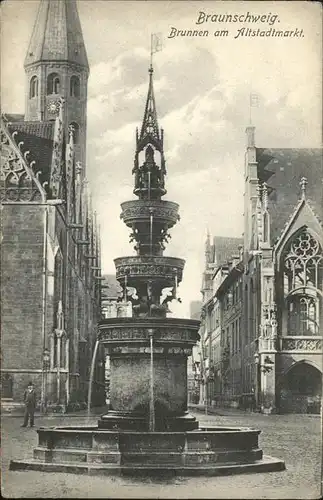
(30, 404)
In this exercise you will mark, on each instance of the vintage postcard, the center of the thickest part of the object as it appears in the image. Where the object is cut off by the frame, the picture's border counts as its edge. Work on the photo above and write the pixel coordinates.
(161, 249)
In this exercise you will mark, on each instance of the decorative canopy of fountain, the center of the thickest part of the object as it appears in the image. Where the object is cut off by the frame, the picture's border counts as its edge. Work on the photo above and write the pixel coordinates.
(148, 428)
(149, 218)
(148, 352)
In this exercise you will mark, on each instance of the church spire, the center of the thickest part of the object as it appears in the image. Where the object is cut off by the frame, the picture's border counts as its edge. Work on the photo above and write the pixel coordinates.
(57, 69)
(57, 35)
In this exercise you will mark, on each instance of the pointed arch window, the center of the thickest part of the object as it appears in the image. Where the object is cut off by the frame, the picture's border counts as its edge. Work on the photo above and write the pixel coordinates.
(53, 84)
(303, 263)
(303, 318)
(75, 86)
(33, 87)
(303, 282)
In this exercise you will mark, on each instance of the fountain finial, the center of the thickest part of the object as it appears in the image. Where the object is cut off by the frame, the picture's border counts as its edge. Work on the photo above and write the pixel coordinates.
(149, 176)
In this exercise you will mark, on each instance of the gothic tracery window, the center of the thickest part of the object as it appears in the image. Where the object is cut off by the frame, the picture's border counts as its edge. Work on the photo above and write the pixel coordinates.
(53, 84)
(303, 280)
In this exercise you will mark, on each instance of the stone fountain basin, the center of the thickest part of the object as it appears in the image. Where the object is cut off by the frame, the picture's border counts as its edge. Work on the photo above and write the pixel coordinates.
(207, 450)
(174, 331)
(163, 211)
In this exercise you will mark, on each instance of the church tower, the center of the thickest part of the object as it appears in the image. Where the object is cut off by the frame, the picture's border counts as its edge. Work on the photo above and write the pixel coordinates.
(57, 68)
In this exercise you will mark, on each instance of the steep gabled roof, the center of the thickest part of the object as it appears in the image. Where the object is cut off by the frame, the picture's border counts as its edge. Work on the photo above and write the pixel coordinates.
(230, 278)
(282, 170)
(38, 139)
(224, 248)
(20, 176)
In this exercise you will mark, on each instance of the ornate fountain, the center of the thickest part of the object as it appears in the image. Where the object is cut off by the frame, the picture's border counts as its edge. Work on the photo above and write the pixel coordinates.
(148, 352)
(148, 427)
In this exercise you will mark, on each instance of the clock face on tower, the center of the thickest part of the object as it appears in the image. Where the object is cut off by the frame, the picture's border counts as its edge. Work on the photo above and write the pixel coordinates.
(53, 107)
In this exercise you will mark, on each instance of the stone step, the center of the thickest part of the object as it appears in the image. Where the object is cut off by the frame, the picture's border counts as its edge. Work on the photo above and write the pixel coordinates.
(266, 464)
(144, 459)
(221, 457)
(60, 455)
(99, 457)
(200, 458)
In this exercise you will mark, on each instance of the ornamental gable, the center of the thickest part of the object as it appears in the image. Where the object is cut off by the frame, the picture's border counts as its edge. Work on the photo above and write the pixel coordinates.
(20, 176)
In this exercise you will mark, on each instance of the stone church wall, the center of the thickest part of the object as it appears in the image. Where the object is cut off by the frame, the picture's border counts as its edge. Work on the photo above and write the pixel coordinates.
(22, 284)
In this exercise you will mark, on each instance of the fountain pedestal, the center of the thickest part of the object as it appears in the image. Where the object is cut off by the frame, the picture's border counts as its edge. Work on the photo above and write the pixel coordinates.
(127, 343)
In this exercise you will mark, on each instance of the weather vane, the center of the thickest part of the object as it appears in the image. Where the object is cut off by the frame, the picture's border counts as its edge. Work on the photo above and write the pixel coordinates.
(156, 45)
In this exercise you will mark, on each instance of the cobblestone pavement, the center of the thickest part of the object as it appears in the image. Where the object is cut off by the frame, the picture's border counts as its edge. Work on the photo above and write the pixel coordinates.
(293, 438)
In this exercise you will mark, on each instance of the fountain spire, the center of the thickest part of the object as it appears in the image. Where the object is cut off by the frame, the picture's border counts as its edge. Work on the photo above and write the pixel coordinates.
(149, 127)
(150, 174)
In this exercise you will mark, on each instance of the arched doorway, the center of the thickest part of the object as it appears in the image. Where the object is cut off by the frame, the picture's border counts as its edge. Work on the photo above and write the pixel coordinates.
(302, 389)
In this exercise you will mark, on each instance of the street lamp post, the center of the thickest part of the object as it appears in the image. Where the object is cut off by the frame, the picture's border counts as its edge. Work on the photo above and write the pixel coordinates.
(46, 360)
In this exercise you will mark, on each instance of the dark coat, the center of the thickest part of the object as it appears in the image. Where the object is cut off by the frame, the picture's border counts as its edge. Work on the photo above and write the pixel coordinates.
(30, 398)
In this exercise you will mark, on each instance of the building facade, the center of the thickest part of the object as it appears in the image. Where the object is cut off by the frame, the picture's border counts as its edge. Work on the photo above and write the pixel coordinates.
(220, 322)
(283, 276)
(50, 249)
(270, 299)
(194, 361)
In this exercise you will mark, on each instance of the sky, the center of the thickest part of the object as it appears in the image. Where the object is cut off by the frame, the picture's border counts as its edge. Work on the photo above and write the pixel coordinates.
(202, 88)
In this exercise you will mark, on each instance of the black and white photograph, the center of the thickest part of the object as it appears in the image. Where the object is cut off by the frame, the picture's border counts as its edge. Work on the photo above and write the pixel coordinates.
(161, 249)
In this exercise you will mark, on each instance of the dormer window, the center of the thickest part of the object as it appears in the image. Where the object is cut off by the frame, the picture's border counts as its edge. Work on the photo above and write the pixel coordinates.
(53, 84)
(75, 86)
(33, 88)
